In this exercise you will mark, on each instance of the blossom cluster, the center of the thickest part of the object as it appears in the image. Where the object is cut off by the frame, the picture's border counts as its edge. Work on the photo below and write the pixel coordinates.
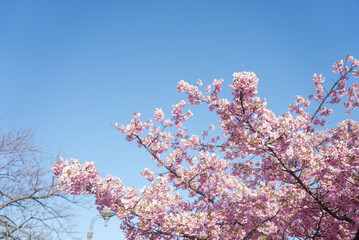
(258, 176)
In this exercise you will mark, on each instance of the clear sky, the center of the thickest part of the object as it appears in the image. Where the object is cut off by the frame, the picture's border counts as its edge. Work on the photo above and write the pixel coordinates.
(69, 69)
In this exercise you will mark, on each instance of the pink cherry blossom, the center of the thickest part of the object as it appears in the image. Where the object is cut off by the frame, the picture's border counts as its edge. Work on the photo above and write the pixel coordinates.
(259, 176)
(159, 115)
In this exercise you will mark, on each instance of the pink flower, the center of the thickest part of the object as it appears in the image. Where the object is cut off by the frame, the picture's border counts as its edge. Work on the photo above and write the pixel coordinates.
(338, 66)
(169, 122)
(317, 121)
(245, 82)
(159, 115)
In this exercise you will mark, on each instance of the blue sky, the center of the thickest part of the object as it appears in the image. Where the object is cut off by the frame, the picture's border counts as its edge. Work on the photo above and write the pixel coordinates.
(69, 69)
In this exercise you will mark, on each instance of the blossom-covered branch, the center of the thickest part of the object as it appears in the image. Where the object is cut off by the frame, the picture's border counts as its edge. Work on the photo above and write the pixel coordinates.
(261, 176)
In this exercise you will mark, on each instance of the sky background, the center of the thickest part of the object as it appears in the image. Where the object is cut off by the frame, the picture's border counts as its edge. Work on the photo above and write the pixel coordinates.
(68, 69)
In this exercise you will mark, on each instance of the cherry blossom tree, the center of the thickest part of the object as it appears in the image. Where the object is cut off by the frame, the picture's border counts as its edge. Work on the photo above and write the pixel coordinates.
(264, 176)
